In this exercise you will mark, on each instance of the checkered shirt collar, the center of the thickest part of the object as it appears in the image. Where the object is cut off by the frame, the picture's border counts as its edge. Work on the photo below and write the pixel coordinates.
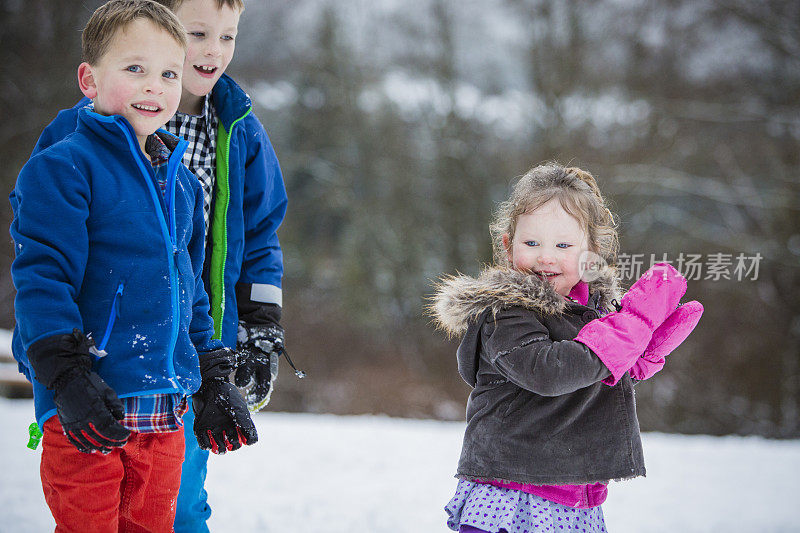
(200, 156)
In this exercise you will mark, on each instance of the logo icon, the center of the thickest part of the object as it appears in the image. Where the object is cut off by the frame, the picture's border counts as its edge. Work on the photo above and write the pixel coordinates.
(590, 265)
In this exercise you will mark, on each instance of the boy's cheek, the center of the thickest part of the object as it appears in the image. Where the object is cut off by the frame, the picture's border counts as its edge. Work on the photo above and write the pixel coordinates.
(174, 101)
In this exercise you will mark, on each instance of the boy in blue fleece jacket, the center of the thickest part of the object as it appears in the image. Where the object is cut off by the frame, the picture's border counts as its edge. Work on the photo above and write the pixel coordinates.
(244, 203)
(110, 307)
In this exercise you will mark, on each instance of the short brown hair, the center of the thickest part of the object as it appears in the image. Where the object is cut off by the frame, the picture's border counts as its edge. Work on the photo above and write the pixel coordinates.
(114, 15)
(175, 4)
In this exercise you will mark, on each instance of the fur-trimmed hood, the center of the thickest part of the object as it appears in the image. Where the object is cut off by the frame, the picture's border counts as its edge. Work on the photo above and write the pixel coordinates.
(458, 300)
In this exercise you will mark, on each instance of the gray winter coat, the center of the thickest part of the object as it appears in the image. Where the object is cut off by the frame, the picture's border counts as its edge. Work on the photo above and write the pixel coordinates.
(538, 413)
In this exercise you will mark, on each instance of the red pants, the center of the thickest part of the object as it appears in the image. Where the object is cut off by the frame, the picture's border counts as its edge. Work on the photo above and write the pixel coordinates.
(132, 489)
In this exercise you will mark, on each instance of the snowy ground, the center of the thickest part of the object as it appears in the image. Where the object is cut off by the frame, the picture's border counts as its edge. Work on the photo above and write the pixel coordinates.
(317, 473)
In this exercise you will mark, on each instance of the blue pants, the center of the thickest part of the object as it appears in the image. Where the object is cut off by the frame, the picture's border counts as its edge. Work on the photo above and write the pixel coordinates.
(192, 509)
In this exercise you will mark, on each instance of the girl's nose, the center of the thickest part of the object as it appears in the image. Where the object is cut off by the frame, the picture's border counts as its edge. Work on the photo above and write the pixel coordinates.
(545, 259)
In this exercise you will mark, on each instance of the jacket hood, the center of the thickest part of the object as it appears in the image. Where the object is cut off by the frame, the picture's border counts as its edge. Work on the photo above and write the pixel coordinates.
(459, 300)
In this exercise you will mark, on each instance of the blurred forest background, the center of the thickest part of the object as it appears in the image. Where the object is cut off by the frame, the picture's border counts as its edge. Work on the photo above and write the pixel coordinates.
(399, 126)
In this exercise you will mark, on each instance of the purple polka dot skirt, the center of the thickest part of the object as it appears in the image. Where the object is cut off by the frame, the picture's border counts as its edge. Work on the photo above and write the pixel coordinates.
(495, 509)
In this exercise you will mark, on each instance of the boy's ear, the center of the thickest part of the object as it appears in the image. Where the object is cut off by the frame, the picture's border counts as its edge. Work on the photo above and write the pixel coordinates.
(86, 81)
(507, 246)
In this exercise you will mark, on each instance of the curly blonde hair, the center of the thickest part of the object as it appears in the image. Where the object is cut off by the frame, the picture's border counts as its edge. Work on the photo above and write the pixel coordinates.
(576, 191)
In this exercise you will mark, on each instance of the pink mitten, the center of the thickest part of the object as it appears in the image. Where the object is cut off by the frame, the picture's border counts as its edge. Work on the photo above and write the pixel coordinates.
(666, 338)
(619, 338)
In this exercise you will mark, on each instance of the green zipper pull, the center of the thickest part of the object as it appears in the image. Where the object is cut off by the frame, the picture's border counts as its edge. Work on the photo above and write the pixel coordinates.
(34, 436)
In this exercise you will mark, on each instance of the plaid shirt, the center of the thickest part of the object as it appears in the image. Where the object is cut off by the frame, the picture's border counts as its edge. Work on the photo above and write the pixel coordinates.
(201, 155)
(156, 413)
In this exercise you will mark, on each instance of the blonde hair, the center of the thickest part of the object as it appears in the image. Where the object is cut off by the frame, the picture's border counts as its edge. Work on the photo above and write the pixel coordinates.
(114, 15)
(576, 191)
(233, 4)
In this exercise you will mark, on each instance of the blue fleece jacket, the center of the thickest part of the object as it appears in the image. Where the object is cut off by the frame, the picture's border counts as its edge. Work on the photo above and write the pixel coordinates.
(248, 206)
(100, 249)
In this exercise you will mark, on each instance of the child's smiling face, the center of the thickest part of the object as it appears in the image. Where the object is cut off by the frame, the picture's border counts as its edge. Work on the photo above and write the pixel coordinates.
(211, 35)
(138, 77)
(548, 241)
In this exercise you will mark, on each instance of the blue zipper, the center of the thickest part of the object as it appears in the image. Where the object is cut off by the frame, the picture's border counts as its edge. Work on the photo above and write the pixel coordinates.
(175, 159)
(112, 317)
(168, 231)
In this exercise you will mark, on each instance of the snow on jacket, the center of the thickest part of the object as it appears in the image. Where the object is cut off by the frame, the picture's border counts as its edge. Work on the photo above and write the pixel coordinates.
(538, 412)
(248, 205)
(99, 248)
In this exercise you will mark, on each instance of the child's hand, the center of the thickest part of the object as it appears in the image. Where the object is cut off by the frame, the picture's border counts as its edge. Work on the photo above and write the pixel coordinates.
(89, 410)
(258, 350)
(619, 338)
(668, 336)
(222, 422)
(87, 407)
(655, 295)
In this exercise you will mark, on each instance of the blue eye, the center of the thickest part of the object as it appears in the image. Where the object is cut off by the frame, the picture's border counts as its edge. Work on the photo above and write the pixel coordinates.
(134, 68)
(563, 245)
(531, 243)
(227, 37)
(170, 75)
(198, 34)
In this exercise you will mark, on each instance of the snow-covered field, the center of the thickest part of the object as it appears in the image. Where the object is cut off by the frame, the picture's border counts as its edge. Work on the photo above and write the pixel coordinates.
(320, 473)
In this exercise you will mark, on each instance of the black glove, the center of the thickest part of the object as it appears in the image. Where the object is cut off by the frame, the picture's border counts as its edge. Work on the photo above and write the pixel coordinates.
(257, 354)
(87, 407)
(221, 422)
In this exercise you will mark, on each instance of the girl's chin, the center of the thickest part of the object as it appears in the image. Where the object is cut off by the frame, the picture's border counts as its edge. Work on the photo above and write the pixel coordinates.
(559, 287)
(552, 280)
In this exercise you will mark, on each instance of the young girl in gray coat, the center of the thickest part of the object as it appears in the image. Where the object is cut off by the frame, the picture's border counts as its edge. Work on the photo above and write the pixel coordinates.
(551, 357)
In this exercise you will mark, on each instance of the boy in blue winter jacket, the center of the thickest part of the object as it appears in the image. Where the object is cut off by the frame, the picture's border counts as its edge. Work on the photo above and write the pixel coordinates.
(111, 310)
(244, 203)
